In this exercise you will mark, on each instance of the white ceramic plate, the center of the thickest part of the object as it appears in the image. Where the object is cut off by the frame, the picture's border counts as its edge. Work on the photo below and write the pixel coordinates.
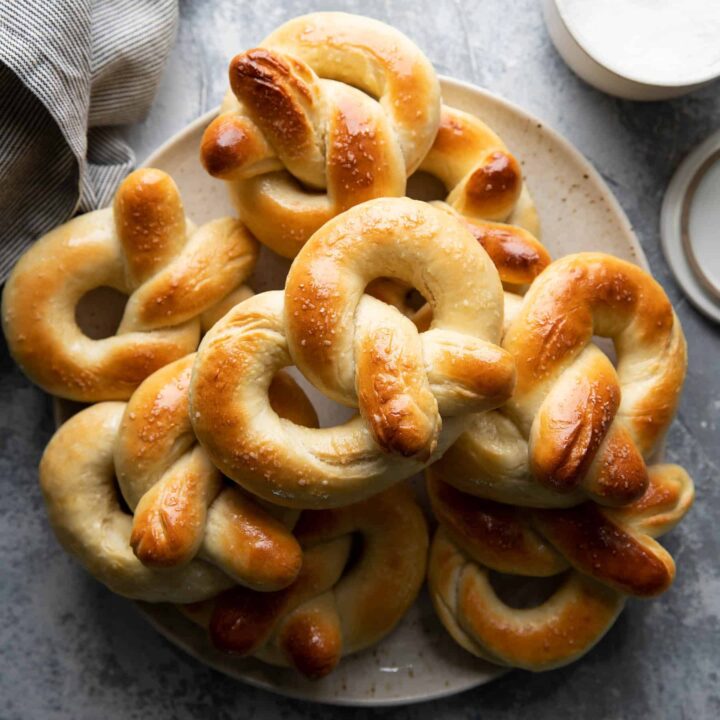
(688, 222)
(418, 661)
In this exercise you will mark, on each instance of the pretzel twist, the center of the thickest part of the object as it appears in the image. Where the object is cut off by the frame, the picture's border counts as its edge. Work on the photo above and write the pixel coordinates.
(483, 178)
(485, 188)
(189, 537)
(576, 426)
(341, 602)
(297, 121)
(143, 247)
(599, 556)
(413, 391)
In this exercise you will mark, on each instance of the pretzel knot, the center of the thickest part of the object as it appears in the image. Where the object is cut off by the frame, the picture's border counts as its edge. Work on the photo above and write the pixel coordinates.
(190, 536)
(330, 102)
(485, 189)
(414, 391)
(483, 178)
(597, 555)
(347, 597)
(145, 248)
(577, 426)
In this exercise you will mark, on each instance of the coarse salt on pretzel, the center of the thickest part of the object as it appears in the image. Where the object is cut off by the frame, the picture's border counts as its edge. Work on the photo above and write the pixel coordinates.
(144, 247)
(331, 110)
(413, 391)
(576, 426)
(598, 555)
(190, 536)
(345, 599)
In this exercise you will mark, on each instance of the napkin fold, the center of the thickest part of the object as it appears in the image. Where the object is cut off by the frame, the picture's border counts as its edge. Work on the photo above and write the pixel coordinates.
(71, 70)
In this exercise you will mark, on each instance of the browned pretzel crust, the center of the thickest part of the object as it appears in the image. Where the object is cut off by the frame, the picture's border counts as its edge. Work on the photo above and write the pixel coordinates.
(191, 534)
(331, 110)
(339, 604)
(414, 391)
(600, 554)
(143, 247)
(577, 426)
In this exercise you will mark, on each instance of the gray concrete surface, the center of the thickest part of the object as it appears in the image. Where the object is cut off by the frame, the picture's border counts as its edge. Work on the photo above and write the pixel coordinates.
(70, 650)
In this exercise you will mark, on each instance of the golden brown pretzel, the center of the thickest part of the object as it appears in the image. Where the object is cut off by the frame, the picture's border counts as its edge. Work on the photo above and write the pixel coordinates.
(339, 104)
(182, 509)
(189, 538)
(339, 604)
(143, 247)
(485, 185)
(413, 391)
(517, 255)
(610, 552)
(483, 179)
(576, 426)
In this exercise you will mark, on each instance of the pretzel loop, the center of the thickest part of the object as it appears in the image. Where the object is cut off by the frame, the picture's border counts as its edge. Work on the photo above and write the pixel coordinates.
(599, 555)
(413, 391)
(190, 537)
(143, 247)
(329, 102)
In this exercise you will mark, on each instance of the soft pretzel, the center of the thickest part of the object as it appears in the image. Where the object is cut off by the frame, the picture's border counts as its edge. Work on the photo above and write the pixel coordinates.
(519, 258)
(182, 508)
(331, 110)
(144, 247)
(485, 186)
(576, 426)
(483, 179)
(189, 538)
(340, 603)
(413, 391)
(611, 553)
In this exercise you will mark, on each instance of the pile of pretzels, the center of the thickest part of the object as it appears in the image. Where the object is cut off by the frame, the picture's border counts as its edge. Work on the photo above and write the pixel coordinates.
(197, 473)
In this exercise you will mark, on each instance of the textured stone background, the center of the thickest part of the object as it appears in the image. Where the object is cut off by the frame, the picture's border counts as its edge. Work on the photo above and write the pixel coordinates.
(70, 650)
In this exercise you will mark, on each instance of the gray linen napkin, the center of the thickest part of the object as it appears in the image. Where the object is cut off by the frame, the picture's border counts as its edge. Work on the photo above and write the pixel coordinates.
(69, 71)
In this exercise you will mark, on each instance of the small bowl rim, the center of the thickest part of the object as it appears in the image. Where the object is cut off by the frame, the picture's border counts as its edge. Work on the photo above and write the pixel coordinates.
(684, 83)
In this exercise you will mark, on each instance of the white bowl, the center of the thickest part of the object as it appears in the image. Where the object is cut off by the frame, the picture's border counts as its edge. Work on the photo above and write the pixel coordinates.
(592, 69)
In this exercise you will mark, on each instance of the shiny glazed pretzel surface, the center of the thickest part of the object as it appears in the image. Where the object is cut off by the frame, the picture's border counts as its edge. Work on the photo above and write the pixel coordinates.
(577, 426)
(189, 535)
(413, 391)
(363, 566)
(342, 105)
(144, 247)
(599, 556)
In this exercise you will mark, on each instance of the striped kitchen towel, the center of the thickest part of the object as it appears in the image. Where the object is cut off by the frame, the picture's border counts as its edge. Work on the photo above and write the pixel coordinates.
(70, 70)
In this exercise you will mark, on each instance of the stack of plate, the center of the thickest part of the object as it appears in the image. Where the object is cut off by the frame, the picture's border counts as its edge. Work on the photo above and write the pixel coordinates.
(690, 225)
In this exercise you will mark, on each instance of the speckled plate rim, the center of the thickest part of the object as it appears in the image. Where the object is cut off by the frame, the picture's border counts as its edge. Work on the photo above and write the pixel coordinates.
(175, 628)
